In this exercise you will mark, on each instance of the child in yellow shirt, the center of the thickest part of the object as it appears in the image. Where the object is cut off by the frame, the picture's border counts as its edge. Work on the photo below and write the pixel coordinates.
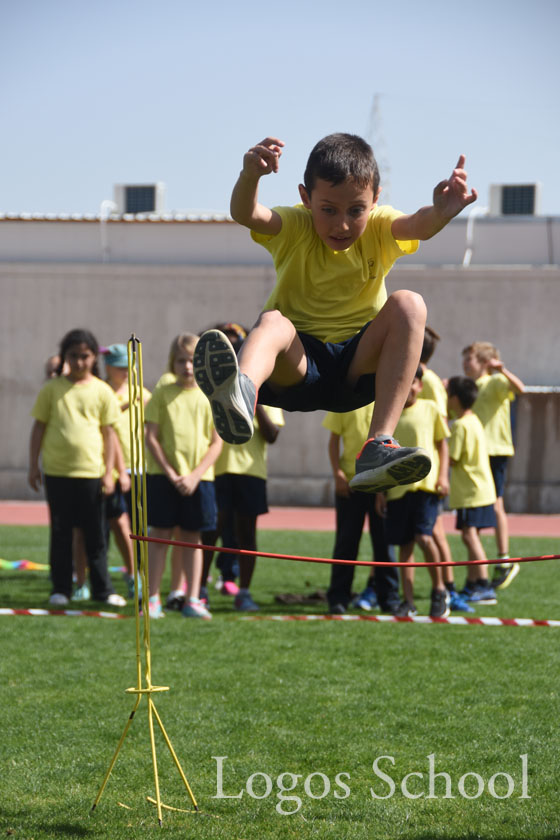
(497, 388)
(472, 493)
(183, 447)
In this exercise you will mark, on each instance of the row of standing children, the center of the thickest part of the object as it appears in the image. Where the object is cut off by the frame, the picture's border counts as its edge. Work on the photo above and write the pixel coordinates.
(182, 452)
(477, 450)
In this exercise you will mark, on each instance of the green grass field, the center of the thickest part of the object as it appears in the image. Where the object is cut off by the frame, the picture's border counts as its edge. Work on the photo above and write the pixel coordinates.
(316, 700)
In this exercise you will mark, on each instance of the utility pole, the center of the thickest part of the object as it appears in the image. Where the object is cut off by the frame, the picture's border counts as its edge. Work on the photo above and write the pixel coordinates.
(375, 136)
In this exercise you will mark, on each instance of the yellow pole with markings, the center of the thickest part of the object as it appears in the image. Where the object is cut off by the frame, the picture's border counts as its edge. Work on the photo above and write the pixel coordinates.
(144, 685)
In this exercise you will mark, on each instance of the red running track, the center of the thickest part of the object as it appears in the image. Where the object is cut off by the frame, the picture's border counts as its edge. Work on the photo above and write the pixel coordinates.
(297, 519)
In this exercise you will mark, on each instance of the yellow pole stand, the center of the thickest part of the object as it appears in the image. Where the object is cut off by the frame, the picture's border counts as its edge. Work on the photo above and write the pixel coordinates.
(144, 686)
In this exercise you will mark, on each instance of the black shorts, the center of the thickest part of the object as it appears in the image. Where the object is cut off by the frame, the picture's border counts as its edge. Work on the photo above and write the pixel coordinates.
(244, 494)
(168, 509)
(414, 513)
(498, 465)
(324, 385)
(478, 517)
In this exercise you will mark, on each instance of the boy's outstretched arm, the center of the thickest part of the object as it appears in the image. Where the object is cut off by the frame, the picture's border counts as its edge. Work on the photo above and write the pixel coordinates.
(450, 197)
(260, 160)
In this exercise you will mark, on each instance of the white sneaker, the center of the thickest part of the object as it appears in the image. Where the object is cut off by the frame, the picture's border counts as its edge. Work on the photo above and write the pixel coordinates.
(82, 593)
(115, 600)
(57, 599)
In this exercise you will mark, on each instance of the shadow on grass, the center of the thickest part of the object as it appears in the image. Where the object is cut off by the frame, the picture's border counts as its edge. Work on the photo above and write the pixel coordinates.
(68, 829)
(477, 836)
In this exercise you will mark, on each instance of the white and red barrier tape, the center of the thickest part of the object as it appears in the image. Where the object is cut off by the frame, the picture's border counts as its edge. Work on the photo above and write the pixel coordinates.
(457, 620)
(71, 613)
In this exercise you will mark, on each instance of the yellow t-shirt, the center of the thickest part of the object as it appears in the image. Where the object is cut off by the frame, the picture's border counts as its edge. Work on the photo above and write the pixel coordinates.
(248, 458)
(166, 378)
(74, 414)
(434, 389)
(353, 428)
(421, 424)
(492, 408)
(122, 427)
(471, 483)
(184, 418)
(331, 294)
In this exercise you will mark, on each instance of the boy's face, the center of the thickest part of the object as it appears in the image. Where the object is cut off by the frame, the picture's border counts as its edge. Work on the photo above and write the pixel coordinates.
(415, 389)
(473, 367)
(340, 212)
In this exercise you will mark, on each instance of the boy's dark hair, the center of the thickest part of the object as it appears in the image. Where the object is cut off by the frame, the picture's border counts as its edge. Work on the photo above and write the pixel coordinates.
(431, 339)
(419, 373)
(339, 157)
(79, 336)
(464, 389)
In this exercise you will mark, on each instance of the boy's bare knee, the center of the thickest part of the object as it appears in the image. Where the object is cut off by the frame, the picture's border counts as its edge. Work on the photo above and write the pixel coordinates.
(271, 319)
(409, 305)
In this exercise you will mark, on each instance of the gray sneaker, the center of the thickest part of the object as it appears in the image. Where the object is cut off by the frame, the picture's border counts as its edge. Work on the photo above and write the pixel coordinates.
(232, 395)
(383, 464)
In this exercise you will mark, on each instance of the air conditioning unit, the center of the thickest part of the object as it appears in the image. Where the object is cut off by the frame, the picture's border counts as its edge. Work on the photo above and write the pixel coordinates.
(139, 198)
(515, 199)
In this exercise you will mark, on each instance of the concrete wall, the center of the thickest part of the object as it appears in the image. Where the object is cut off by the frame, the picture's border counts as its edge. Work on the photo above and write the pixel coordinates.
(178, 240)
(515, 307)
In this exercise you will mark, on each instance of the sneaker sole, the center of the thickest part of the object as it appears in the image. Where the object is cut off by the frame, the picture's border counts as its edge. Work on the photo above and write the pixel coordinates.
(407, 470)
(216, 373)
(512, 573)
(444, 614)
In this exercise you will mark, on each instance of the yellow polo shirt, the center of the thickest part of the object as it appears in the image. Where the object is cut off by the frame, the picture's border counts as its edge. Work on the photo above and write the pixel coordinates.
(331, 294)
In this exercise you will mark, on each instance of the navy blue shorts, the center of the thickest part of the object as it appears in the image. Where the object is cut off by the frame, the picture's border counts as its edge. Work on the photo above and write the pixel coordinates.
(498, 465)
(414, 513)
(478, 517)
(244, 494)
(324, 385)
(168, 509)
(115, 504)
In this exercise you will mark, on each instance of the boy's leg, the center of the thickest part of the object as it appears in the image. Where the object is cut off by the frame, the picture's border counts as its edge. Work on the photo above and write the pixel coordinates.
(350, 517)
(390, 347)
(477, 576)
(271, 352)
(440, 599)
(406, 555)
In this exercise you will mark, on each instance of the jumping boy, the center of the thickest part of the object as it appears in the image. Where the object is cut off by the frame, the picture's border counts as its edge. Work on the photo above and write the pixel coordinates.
(328, 337)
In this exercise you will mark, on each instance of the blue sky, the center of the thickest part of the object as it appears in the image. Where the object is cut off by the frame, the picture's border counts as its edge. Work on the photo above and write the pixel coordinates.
(94, 94)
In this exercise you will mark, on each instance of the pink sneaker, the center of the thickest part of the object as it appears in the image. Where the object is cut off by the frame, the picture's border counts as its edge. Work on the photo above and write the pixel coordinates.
(230, 588)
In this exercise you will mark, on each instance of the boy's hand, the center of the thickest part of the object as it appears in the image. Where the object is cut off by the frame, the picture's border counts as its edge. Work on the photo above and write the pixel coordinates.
(34, 478)
(442, 486)
(263, 158)
(452, 196)
(381, 505)
(496, 364)
(341, 486)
